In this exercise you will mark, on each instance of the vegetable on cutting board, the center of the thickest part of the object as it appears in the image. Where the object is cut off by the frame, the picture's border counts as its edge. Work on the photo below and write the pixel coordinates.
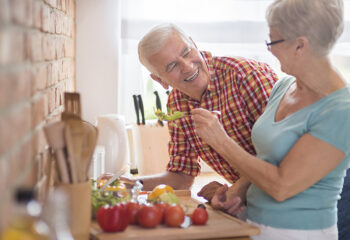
(113, 218)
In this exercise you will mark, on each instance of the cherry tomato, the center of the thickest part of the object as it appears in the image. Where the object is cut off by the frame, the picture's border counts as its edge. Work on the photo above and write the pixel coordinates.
(148, 216)
(133, 209)
(199, 216)
(174, 216)
(113, 219)
(162, 208)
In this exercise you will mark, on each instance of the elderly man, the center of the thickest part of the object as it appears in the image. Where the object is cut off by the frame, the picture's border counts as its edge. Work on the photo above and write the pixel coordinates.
(237, 87)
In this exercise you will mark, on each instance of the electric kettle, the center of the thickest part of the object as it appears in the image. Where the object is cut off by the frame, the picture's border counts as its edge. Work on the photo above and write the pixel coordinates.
(113, 137)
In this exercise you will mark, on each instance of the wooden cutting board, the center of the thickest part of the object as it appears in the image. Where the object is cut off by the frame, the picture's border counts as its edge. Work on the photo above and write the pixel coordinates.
(219, 225)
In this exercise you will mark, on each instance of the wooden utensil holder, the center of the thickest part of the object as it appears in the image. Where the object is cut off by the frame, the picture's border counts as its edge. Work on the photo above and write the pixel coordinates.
(79, 212)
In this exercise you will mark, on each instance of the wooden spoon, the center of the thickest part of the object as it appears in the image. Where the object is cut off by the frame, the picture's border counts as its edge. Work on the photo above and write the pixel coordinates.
(87, 150)
(74, 135)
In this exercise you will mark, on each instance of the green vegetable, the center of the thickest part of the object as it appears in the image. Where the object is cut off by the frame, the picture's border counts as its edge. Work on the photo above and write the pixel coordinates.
(169, 116)
(168, 197)
(101, 198)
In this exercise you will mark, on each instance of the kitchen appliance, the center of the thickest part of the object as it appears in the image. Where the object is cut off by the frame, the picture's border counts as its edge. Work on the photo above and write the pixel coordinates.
(113, 137)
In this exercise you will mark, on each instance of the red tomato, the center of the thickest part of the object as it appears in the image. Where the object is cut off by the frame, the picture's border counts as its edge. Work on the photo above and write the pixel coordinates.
(162, 208)
(174, 216)
(148, 216)
(199, 216)
(113, 219)
(133, 209)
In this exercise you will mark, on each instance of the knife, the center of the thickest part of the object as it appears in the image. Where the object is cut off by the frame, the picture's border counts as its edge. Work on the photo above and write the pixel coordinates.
(159, 106)
(115, 177)
(158, 103)
(141, 109)
(136, 105)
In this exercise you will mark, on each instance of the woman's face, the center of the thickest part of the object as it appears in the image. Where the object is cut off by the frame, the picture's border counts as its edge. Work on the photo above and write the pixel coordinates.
(283, 51)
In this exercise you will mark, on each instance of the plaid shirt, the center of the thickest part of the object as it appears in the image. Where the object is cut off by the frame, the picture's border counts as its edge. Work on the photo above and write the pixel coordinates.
(239, 89)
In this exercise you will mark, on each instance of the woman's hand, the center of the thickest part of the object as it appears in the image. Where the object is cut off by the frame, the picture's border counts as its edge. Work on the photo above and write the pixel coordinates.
(208, 126)
(208, 191)
(230, 204)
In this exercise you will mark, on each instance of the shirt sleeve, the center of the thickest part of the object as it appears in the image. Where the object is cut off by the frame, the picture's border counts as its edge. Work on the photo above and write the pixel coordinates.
(256, 88)
(331, 125)
(182, 157)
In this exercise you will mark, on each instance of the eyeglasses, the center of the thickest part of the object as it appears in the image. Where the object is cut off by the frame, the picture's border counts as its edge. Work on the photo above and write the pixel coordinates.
(269, 44)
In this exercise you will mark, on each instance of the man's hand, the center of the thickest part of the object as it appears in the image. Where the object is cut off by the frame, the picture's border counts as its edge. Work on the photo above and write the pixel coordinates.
(209, 190)
(230, 204)
(129, 183)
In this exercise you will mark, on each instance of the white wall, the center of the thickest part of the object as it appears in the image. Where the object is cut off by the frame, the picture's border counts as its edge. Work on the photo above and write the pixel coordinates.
(98, 51)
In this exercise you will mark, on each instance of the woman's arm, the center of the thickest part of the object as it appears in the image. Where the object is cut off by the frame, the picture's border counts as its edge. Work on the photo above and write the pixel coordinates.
(296, 171)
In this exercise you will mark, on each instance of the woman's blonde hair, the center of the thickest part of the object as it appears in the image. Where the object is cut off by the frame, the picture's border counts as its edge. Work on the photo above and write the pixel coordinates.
(153, 41)
(321, 21)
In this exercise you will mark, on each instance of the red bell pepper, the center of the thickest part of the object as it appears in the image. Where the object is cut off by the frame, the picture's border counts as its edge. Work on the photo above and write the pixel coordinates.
(113, 219)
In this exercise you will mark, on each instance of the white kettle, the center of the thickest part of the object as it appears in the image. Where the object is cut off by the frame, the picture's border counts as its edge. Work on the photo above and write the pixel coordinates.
(113, 137)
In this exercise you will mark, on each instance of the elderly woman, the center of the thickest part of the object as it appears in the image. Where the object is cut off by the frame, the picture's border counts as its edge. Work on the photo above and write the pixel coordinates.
(302, 139)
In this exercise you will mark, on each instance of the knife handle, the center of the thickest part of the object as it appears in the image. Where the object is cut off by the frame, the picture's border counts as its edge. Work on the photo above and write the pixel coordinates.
(136, 104)
(158, 103)
(141, 109)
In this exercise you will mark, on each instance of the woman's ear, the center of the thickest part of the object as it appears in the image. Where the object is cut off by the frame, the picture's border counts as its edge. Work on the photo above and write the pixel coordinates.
(159, 80)
(302, 44)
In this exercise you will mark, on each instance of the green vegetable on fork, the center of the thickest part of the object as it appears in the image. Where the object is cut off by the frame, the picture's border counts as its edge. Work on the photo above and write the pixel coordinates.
(169, 116)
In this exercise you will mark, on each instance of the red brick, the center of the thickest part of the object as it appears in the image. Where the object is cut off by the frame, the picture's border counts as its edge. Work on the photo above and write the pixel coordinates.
(61, 73)
(11, 46)
(61, 5)
(53, 77)
(53, 16)
(22, 84)
(4, 175)
(39, 146)
(60, 49)
(15, 86)
(70, 4)
(71, 73)
(51, 100)
(13, 127)
(5, 92)
(22, 12)
(59, 22)
(39, 110)
(49, 47)
(40, 77)
(24, 166)
(35, 43)
(5, 15)
(52, 3)
(37, 14)
(69, 27)
(46, 21)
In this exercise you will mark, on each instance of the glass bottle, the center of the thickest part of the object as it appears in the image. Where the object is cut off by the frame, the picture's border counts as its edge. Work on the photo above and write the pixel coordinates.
(26, 223)
(56, 215)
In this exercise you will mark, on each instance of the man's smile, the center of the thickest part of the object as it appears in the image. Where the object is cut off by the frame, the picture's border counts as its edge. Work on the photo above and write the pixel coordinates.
(193, 76)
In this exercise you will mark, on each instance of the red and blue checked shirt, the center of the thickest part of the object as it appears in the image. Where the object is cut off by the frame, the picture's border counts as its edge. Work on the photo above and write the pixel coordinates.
(239, 89)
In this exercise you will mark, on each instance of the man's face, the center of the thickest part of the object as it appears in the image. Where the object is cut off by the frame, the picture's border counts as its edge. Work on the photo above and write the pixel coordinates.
(180, 65)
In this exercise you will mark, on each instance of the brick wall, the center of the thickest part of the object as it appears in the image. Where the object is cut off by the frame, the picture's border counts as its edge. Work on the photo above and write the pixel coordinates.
(37, 64)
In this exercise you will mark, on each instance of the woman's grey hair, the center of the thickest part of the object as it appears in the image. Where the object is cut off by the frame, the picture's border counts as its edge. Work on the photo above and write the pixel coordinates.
(320, 21)
(153, 41)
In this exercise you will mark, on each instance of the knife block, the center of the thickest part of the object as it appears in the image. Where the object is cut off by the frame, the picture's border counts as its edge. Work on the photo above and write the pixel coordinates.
(149, 148)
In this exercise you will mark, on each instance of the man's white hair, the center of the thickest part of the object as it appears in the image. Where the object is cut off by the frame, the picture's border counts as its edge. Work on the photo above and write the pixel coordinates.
(153, 41)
